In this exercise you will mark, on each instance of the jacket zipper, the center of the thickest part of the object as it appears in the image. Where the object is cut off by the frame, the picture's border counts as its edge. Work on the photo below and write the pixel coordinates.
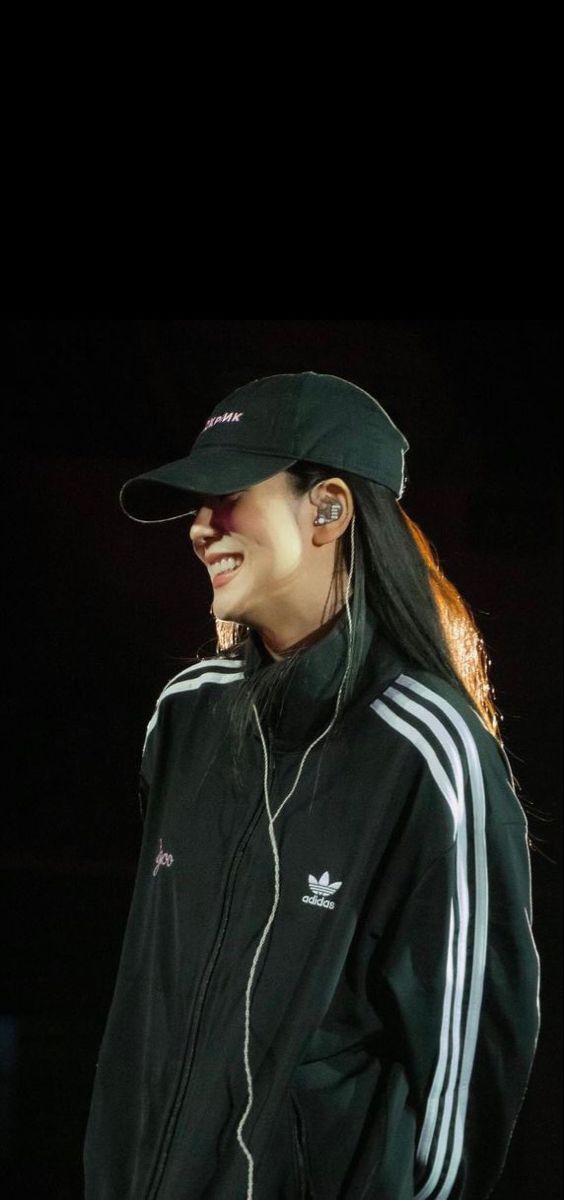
(170, 1125)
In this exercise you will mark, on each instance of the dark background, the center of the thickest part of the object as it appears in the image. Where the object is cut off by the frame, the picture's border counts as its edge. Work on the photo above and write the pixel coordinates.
(101, 612)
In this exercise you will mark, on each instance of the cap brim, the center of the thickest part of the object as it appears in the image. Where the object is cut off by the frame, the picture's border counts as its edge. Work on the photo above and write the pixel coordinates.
(167, 492)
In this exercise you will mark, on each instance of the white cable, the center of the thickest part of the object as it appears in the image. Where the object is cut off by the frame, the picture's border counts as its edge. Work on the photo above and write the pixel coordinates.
(276, 857)
(258, 951)
(157, 520)
(343, 681)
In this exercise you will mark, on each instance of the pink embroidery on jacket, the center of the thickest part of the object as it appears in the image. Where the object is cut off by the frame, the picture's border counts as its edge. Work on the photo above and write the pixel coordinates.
(163, 859)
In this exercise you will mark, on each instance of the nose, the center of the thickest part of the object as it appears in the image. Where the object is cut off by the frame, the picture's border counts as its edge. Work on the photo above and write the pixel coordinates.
(212, 519)
(202, 529)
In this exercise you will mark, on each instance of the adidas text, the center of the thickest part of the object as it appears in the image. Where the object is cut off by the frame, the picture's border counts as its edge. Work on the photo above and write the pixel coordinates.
(317, 900)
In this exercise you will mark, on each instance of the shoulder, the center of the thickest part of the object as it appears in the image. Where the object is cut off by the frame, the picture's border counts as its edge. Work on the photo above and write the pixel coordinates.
(190, 684)
(420, 700)
(214, 672)
(458, 751)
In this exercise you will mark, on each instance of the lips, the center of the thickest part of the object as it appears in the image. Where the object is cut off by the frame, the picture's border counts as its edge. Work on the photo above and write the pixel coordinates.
(223, 568)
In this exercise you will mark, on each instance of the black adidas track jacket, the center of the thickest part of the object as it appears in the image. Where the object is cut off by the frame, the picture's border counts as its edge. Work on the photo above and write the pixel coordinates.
(395, 1007)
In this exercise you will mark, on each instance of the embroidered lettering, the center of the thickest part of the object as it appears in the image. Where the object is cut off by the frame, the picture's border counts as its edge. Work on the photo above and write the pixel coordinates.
(222, 417)
(163, 859)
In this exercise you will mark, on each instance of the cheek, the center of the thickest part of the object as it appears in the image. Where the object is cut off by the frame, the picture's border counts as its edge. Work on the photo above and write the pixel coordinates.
(227, 522)
(273, 539)
(284, 549)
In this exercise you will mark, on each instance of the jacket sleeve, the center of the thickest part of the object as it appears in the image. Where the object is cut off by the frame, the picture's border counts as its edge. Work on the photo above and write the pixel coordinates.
(147, 764)
(454, 978)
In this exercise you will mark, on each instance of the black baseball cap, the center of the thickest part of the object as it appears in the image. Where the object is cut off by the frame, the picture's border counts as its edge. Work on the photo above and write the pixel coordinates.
(263, 428)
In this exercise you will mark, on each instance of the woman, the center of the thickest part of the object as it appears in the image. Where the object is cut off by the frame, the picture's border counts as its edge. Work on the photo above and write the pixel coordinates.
(328, 986)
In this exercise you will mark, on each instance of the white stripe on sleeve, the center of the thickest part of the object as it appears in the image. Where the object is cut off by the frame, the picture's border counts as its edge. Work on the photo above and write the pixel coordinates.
(190, 685)
(459, 1031)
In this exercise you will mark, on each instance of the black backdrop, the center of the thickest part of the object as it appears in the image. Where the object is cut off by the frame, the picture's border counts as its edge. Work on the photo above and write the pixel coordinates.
(102, 611)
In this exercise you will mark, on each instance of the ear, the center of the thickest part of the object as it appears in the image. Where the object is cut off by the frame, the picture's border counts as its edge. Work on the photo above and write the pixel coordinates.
(331, 491)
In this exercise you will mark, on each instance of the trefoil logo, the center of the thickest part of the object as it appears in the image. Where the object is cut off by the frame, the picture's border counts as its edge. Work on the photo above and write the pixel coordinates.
(321, 889)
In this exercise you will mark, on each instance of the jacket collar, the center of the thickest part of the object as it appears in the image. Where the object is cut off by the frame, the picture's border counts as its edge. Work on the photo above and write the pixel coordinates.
(308, 696)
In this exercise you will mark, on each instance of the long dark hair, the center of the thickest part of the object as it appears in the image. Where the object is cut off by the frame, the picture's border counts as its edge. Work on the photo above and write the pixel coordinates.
(398, 576)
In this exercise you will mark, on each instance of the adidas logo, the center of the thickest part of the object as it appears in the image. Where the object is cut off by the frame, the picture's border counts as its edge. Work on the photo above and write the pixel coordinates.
(321, 889)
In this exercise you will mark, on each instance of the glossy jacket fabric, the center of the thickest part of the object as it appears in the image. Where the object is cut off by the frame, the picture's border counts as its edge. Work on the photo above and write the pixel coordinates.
(395, 1008)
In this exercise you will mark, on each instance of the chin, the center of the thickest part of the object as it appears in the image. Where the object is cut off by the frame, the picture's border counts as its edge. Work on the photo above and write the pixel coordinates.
(239, 607)
(228, 612)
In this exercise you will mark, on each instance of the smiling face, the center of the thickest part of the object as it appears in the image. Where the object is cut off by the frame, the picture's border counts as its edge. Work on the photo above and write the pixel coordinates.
(269, 566)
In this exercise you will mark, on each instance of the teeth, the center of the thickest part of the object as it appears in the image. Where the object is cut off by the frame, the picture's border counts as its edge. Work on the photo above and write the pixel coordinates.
(229, 563)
